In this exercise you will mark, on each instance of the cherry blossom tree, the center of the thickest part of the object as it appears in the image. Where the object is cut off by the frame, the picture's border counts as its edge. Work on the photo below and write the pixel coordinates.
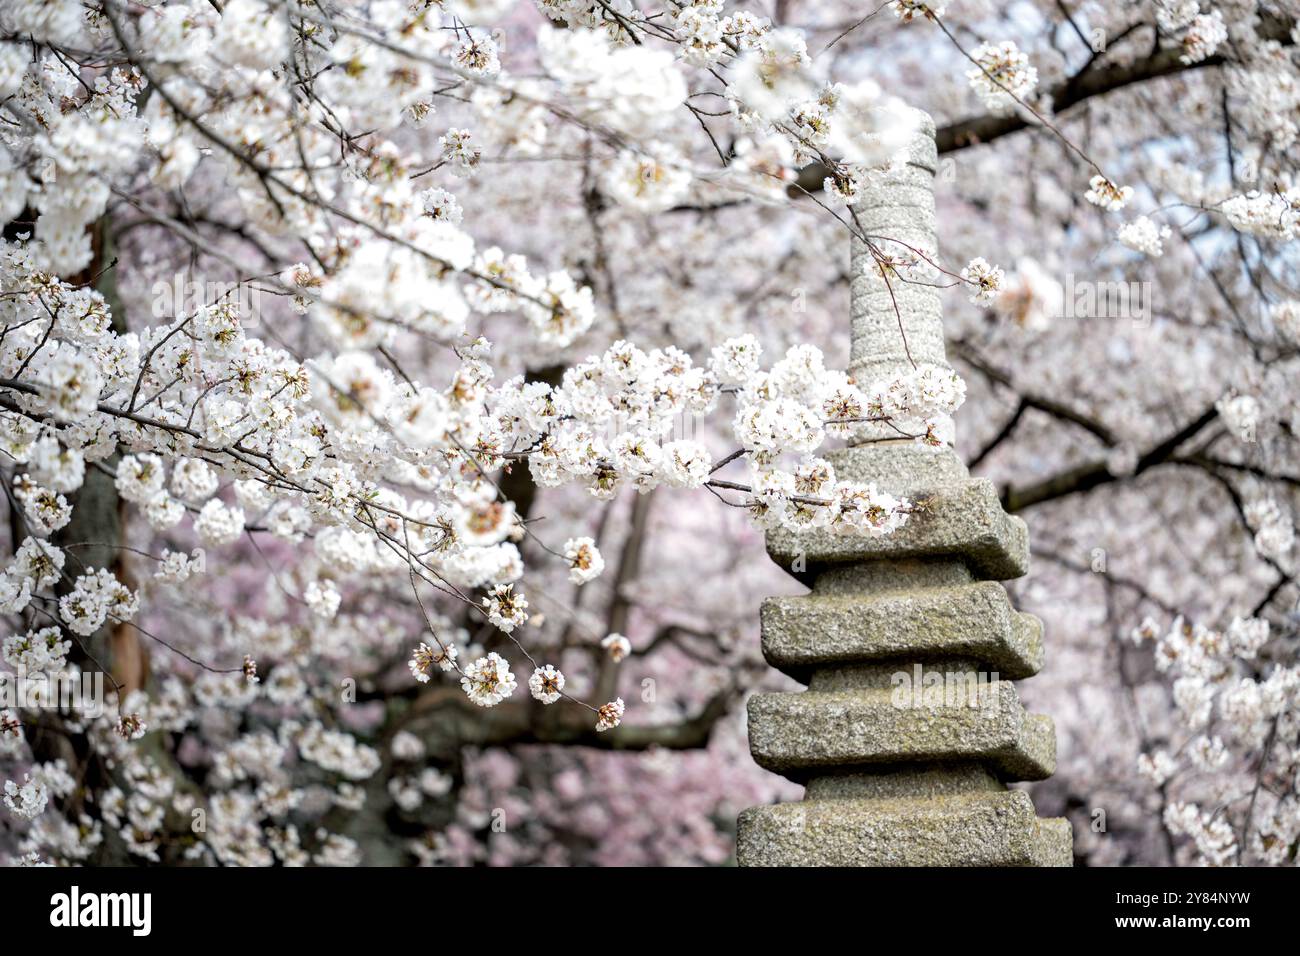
(395, 395)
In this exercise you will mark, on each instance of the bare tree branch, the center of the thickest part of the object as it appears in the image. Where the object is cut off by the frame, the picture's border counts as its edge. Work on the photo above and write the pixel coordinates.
(1097, 473)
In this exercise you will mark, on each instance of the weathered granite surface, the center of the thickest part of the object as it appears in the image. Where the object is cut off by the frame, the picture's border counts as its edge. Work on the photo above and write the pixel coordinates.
(910, 729)
(973, 621)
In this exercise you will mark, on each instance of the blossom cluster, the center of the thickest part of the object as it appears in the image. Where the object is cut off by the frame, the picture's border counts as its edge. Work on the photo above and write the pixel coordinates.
(1002, 75)
(1234, 713)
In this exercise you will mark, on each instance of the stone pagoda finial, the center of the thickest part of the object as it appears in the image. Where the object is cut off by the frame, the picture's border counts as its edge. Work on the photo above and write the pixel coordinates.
(910, 728)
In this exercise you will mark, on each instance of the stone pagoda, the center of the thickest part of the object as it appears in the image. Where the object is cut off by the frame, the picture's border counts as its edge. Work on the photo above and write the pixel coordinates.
(911, 727)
